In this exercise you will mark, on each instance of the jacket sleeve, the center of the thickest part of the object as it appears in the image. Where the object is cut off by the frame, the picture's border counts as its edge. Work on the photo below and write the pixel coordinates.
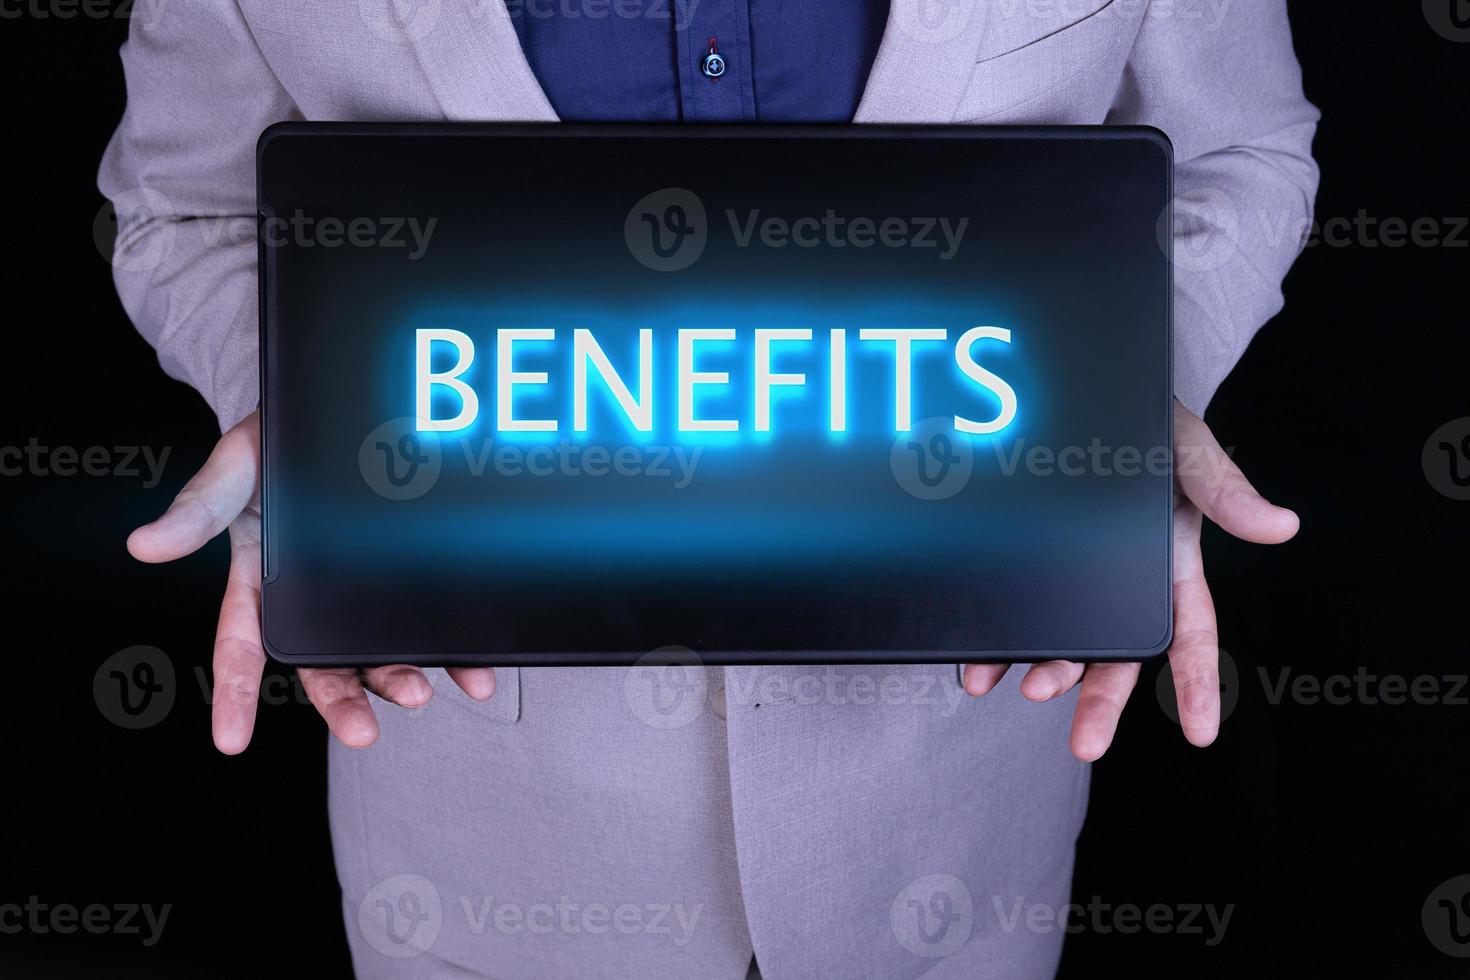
(1223, 81)
(180, 173)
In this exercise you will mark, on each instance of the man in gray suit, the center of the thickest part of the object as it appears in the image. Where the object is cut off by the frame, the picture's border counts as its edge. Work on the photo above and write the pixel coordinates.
(671, 821)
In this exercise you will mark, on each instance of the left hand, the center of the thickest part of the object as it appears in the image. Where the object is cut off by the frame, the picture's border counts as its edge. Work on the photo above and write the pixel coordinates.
(225, 495)
(1208, 485)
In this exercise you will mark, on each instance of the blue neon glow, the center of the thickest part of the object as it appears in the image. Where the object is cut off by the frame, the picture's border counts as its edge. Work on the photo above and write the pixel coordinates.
(938, 387)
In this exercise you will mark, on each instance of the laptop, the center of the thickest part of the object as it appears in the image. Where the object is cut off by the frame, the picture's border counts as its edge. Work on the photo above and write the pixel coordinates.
(555, 395)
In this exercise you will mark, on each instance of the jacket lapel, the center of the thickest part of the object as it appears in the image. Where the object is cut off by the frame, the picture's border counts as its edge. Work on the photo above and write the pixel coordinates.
(473, 60)
(924, 61)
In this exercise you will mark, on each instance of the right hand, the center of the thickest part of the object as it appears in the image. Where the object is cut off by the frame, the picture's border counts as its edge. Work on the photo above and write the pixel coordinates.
(226, 494)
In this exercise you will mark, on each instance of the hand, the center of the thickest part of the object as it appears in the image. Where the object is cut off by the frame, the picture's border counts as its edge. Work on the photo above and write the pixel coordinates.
(226, 494)
(1209, 485)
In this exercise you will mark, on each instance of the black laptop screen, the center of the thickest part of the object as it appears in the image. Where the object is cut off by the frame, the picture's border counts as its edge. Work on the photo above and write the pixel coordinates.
(781, 393)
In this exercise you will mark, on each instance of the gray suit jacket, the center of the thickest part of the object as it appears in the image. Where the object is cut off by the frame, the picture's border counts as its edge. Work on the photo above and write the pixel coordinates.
(662, 822)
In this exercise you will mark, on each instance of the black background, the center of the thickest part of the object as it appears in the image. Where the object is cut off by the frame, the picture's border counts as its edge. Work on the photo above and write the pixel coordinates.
(1325, 825)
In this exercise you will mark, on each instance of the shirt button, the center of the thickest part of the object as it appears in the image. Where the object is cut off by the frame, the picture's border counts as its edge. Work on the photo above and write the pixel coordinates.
(714, 66)
(717, 704)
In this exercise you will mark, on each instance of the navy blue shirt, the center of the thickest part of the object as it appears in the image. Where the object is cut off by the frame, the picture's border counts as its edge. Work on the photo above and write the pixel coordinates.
(645, 60)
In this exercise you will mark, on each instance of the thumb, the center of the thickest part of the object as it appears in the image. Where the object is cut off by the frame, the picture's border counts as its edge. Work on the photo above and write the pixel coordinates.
(1214, 484)
(209, 502)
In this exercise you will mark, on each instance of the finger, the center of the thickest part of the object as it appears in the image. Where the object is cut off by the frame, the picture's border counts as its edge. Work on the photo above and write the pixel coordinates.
(208, 502)
(1045, 681)
(1214, 484)
(342, 702)
(239, 660)
(1105, 690)
(403, 685)
(980, 679)
(1195, 653)
(477, 682)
